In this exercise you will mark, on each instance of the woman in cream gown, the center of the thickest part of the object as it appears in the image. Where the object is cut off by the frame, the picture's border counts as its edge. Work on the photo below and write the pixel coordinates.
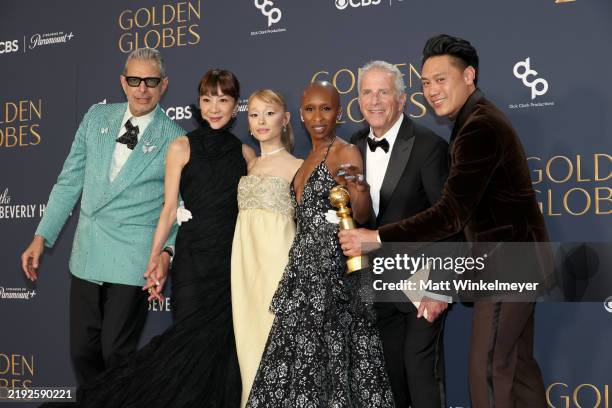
(264, 230)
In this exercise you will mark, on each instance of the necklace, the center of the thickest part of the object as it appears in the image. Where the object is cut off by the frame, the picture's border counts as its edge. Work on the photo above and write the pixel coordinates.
(272, 152)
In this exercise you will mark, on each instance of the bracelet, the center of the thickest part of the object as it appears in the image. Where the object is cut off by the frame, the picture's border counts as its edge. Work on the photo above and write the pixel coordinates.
(170, 252)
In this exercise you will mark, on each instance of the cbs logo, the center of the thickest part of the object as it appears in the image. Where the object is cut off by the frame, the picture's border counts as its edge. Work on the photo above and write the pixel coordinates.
(179, 112)
(528, 72)
(9, 46)
(274, 14)
(342, 4)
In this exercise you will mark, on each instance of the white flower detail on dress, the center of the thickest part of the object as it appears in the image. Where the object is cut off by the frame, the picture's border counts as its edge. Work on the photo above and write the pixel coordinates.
(182, 214)
(332, 217)
(104, 130)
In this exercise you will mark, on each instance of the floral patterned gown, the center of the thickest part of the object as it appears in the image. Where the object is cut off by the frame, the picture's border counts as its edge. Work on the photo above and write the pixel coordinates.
(324, 348)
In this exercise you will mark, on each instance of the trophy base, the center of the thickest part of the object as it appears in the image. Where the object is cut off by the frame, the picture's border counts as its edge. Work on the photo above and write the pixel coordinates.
(356, 263)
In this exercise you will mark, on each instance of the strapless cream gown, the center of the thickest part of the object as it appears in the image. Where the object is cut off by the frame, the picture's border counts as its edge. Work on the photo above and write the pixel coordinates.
(264, 233)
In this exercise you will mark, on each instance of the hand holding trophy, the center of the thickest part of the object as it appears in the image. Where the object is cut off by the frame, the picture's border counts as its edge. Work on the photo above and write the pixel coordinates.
(339, 198)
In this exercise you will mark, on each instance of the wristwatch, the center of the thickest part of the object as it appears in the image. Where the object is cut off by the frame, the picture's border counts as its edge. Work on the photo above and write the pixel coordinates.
(170, 252)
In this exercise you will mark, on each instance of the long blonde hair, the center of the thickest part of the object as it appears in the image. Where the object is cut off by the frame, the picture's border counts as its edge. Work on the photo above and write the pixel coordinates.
(274, 98)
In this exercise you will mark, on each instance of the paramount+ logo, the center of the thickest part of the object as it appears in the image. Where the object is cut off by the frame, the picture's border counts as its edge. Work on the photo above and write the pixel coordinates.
(343, 4)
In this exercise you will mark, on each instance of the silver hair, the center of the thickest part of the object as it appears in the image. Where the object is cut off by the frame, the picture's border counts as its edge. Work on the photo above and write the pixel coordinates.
(398, 78)
(147, 54)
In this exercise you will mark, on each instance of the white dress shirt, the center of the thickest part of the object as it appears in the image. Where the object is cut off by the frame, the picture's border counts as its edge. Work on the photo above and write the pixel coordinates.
(122, 152)
(377, 162)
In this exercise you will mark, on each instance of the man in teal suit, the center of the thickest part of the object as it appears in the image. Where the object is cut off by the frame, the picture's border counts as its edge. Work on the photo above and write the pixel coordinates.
(116, 167)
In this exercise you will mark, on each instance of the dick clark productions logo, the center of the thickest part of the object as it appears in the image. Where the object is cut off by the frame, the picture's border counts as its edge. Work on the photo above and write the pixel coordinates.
(267, 8)
(539, 86)
(608, 304)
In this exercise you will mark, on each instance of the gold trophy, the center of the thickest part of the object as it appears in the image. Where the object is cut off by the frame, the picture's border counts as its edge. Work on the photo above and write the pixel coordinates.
(339, 198)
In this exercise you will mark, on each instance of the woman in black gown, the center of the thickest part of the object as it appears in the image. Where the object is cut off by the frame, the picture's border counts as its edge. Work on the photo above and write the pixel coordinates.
(193, 363)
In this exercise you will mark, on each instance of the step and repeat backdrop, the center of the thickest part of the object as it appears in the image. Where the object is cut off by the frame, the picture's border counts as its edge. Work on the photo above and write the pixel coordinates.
(545, 63)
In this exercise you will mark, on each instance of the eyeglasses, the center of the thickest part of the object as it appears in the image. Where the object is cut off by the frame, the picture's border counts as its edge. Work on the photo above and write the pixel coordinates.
(150, 82)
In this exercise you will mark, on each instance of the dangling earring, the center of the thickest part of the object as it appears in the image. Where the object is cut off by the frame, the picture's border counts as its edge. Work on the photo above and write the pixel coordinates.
(235, 112)
(285, 129)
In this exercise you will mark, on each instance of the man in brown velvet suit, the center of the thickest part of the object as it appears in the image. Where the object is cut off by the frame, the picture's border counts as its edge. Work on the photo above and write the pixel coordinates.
(489, 196)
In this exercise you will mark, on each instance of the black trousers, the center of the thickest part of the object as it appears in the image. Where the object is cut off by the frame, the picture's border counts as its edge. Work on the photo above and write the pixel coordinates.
(106, 322)
(414, 354)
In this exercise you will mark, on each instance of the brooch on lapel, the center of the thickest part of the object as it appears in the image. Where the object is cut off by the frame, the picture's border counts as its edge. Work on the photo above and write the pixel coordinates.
(104, 130)
(148, 148)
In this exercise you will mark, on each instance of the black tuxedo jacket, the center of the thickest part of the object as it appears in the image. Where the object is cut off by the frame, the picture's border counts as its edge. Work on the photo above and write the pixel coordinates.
(416, 173)
(417, 170)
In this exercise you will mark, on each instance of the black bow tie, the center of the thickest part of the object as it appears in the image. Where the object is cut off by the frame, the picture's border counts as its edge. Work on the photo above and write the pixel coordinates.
(130, 137)
(375, 144)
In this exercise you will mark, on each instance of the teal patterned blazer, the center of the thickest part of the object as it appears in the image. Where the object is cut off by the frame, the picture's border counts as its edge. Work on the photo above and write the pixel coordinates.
(117, 219)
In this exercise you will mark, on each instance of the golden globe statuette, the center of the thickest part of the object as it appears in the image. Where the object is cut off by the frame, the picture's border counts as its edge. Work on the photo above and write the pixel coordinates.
(339, 198)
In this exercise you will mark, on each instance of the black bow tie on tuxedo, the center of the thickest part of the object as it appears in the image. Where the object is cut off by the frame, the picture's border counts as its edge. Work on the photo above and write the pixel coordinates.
(130, 137)
(375, 144)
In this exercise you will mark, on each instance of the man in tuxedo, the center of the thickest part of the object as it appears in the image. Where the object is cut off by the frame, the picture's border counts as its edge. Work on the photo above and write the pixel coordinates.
(405, 167)
(116, 167)
(489, 196)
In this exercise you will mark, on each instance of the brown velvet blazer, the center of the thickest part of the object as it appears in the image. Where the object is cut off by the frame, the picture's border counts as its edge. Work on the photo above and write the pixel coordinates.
(488, 193)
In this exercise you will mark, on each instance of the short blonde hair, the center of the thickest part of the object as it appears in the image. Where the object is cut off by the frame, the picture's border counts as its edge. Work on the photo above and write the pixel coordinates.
(274, 98)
